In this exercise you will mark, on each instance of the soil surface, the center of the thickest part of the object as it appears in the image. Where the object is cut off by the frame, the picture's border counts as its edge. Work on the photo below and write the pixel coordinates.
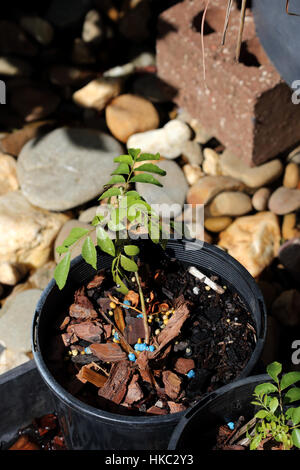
(202, 340)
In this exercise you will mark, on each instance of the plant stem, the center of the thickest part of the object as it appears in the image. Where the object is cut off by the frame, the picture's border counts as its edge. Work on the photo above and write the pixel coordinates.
(146, 326)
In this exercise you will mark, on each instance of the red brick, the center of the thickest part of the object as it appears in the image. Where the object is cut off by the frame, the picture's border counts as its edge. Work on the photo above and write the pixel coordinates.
(248, 108)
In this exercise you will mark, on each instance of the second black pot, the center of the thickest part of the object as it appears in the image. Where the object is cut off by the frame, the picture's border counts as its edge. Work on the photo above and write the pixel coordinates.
(86, 427)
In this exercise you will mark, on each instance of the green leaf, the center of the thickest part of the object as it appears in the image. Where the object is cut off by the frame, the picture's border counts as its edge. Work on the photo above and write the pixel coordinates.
(75, 234)
(274, 370)
(152, 169)
(133, 194)
(255, 442)
(122, 169)
(97, 220)
(109, 193)
(273, 405)
(128, 264)
(144, 178)
(292, 395)
(148, 156)
(116, 179)
(124, 159)
(89, 253)
(296, 437)
(62, 249)
(62, 270)
(295, 417)
(104, 242)
(261, 414)
(134, 153)
(267, 387)
(289, 379)
(131, 250)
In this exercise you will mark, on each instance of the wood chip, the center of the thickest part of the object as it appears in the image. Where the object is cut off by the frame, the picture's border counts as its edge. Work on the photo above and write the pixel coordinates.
(64, 323)
(81, 299)
(176, 407)
(86, 374)
(108, 352)
(96, 281)
(69, 338)
(116, 386)
(23, 443)
(82, 313)
(183, 366)
(134, 329)
(88, 331)
(134, 392)
(172, 384)
(155, 410)
(172, 329)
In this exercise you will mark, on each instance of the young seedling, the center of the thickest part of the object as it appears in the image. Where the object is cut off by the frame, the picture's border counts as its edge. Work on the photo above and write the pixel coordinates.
(276, 419)
(128, 210)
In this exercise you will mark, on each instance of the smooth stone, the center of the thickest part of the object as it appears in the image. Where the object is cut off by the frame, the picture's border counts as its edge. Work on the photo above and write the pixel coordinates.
(260, 199)
(192, 173)
(284, 200)
(294, 156)
(217, 224)
(201, 134)
(120, 71)
(11, 273)
(64, 75)
(209, 186)
(93, 28)
(253, 240)
(128, 114)
(144, 59)
(88, 215)
(173, 191)
(291, 176)
(13, 41)
(211, 164)
(81, 54)
(289, 256)
(67, 167)
(34, 103)
(286, 308)
(8, 174)
(13, 142)
(192, 152)
(230, 203)
(10, 359)
(12, 66)
(193, 227)
(39, 28)
(64, 232)
(26, 232)
(63, 15)
(16, 320)
(256, 177)
(169, 141)
(289, 228)
(97, 93)
(41, 277)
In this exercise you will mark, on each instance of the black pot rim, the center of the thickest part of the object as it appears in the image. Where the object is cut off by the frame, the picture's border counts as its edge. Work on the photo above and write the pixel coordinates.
(80, 406)
(188, 414)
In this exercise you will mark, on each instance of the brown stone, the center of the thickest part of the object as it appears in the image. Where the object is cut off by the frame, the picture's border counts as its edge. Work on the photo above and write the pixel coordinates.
(244, 104)
(12, 143)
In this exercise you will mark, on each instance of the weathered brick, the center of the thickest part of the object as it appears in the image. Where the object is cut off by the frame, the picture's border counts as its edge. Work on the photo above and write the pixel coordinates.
(245, 105)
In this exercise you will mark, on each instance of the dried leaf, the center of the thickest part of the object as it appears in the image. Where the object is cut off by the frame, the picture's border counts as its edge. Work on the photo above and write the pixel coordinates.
(108, 352)
(116, 386)
(172, 384)
(133, 297)
(119, 319)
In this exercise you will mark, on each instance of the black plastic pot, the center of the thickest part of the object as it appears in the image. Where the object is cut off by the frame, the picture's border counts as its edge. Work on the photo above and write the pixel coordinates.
(197, 429)
(86, 427)
(24, 397)
(279, 34)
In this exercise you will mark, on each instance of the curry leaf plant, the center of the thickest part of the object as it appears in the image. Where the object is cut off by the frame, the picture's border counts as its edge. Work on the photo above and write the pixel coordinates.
(276, 419)
(127, 213)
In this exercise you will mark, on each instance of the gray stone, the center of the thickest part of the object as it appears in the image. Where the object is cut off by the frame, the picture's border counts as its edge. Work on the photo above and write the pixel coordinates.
(16, 319)
(66, 168)
(173, 191)
(93, 28)
(39, 28)
(284, 200)
(11, 67)
(88, 215)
